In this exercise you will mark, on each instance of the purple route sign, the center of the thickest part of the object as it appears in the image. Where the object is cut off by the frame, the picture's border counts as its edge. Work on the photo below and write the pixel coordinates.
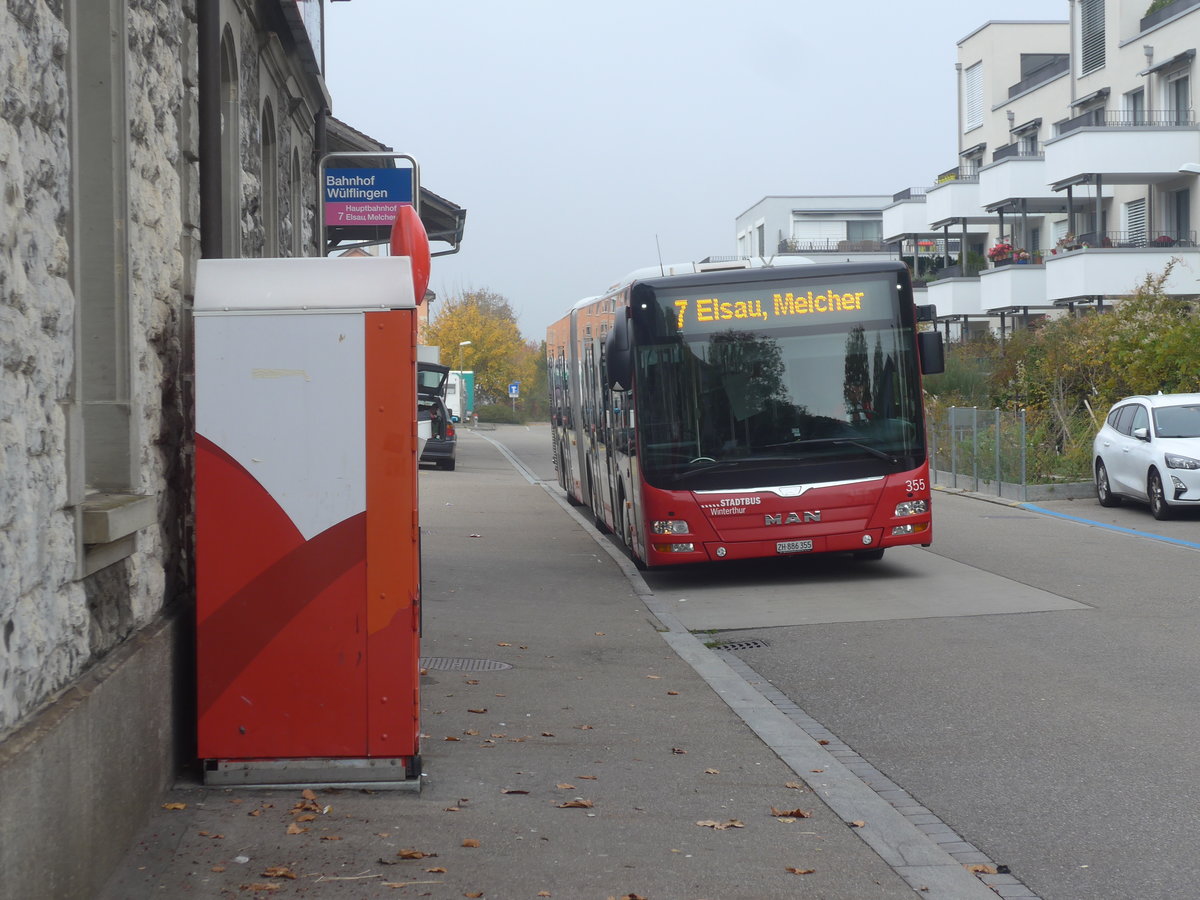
(366, 196)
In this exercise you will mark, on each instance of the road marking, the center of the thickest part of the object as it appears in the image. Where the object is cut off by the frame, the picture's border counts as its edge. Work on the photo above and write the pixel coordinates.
(1117, 528)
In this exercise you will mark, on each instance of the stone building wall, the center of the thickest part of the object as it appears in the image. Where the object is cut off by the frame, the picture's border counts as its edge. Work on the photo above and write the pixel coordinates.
(43, 609)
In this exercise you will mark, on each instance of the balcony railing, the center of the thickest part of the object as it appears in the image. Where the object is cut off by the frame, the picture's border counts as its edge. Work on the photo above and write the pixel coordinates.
(1131, 240)
(911, 193)
(963, 173)
(1052, 69)
(1123, 118)
(1018, 151)
(792, 245)
(1161, 15)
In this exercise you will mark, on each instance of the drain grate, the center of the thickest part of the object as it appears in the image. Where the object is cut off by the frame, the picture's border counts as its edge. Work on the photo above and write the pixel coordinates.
(462, 664)
(752, 644)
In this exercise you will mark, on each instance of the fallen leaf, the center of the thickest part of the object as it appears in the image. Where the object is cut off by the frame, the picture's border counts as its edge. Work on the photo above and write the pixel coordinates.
(712, 771)
(857, 823)
(437, 870)
(720, 826)
(471, 731)
(981, 869)
(576, 804)
(796, 871)
(261, 886)
(654, 676)
(174, 806)
(330, 837)
(307, 794)
(547, 734)
(255, 812)
(599, 634)
(823, 742)
(473, 894)
(483, 710)
(585, 727)
(503, 644)
(475, 535)
(470, 842)
(587, 777)
(678, 750)
(277, 872)
(794, 785)
(307, 817)
(408, 853)
(565, 787)
(472, 681)
(672, 693)
(513, 791)
(543, 893)
(295, 829)
(790, 813)
(217, 869)
(451, 738)
(451, 809)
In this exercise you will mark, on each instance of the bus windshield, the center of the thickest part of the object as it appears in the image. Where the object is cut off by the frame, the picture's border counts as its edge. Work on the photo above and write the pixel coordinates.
(756, 384)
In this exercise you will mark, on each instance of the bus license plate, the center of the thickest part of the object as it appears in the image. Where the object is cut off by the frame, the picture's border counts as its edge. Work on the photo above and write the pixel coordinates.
(793, 546)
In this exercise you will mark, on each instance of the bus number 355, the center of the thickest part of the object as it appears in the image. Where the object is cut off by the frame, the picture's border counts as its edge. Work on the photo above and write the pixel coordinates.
(914, 484)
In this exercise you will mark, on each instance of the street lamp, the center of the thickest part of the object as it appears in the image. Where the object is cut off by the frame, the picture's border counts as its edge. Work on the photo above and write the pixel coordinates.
(461, 344)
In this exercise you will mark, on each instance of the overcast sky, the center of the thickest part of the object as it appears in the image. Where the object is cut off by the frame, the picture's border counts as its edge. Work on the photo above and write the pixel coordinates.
(578, 137)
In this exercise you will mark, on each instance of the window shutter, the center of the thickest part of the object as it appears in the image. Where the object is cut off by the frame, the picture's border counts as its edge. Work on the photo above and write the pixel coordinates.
(1091, 35)
(973, 96)
(1135, 220)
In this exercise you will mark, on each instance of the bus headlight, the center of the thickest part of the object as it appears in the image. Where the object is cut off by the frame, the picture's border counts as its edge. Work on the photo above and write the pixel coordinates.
(912, 507)
(670, 526)
(675, 548)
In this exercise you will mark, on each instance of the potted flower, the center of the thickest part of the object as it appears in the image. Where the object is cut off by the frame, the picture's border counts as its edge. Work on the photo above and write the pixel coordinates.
(1067, 242)
(1001, 252)
(1164, 240)
(1022, 256)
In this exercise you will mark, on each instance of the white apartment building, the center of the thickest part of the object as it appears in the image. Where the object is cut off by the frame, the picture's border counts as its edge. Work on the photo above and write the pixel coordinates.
(827, 228)
(1077, 144)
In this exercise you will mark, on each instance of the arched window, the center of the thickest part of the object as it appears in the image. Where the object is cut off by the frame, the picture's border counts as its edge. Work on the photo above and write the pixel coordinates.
(231, 160)
(297, 204)
(269, 181)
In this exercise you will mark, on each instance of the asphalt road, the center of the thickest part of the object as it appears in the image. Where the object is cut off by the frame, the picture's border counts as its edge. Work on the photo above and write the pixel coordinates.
(1030, 678)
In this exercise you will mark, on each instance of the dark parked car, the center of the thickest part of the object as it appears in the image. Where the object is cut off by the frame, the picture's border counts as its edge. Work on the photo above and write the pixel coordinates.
(433, 418)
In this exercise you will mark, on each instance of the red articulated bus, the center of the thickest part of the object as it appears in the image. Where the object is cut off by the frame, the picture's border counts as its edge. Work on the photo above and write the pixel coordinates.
(735, 413)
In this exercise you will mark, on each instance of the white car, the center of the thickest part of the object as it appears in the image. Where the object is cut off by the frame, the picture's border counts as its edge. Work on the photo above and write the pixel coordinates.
(1149, 449)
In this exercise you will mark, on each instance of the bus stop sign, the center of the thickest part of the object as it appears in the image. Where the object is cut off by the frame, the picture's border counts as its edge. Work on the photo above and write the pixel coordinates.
(514, 390)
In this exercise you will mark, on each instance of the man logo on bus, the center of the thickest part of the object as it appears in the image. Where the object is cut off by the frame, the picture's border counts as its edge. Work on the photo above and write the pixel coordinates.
(792, 518)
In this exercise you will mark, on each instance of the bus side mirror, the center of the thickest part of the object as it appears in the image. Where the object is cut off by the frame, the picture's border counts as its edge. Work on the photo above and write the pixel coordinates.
(618, 356)
(933, 357)
(927, 313)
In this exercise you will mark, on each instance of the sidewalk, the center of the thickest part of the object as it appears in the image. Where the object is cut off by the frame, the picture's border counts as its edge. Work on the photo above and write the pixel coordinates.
(569, 751)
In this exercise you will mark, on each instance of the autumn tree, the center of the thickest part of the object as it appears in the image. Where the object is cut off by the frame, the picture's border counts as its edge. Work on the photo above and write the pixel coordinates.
(496, 352)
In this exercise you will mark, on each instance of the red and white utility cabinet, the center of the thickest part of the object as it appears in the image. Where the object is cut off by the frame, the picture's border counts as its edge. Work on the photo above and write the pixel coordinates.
(307, 533)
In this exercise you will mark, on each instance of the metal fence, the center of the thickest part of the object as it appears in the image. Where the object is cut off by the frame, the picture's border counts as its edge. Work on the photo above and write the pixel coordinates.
(987, 451)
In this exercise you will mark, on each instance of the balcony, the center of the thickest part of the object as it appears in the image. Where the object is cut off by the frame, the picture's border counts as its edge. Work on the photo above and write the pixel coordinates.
(1012, 285)
(804, 247)
(1124, 148)
(1120, 261)
(955, 296)
(955, 198)
(1166, 12)
(906, 215)
(1014, 176)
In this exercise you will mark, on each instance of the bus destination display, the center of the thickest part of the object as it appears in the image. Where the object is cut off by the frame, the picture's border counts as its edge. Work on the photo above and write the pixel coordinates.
(774, 306)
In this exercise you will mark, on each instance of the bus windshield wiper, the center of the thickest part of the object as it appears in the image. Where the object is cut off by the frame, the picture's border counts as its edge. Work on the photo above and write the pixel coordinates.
(867, 448)
(735, 463)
